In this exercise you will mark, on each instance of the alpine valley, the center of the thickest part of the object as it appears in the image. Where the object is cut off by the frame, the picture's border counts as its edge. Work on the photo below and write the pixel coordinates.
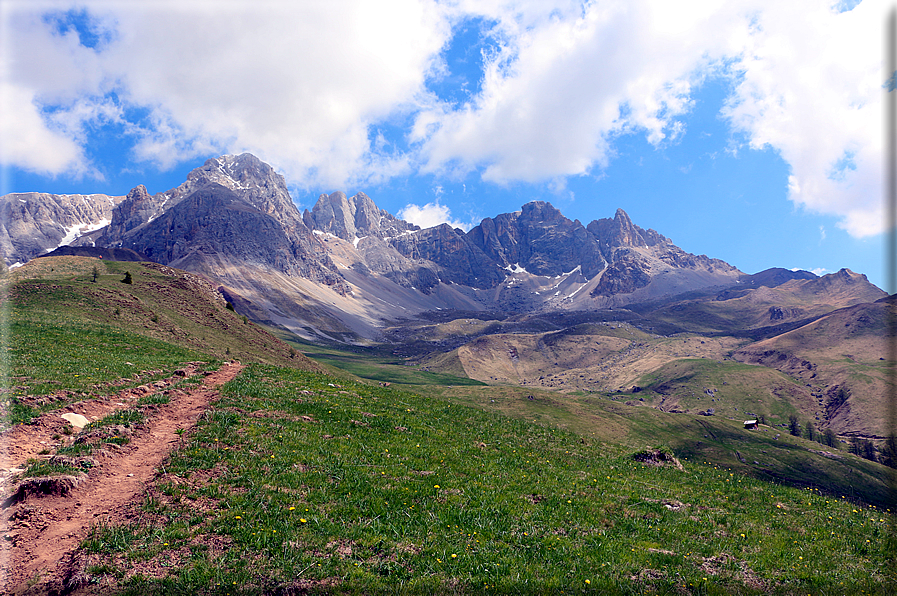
(552, 312)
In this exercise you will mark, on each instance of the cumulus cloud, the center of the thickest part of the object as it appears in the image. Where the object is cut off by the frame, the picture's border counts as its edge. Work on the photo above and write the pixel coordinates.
(29, 142)
(56, 68)
(306, 85)
(430, 215)
(813, 93)
(297, 83)
(562, 87)
(556, 94)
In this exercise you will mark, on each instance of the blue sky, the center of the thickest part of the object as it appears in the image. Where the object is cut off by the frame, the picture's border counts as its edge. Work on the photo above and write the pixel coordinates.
(727, 128)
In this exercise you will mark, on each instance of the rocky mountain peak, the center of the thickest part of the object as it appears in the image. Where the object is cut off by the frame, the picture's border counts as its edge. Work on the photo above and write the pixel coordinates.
(367, 216)
(138, 208)
(257, 182)
(334, 214)
(138, 193)
(843, 281)
(353, 217)
(541, 212)
(232, 171)
(621, 232)
(31, 224)
(539, 239)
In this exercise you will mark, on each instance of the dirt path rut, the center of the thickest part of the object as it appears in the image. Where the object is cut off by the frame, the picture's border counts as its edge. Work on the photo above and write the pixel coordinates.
(41, 535)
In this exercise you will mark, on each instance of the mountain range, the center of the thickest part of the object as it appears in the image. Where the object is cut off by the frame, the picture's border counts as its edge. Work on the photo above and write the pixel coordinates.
(525, 298)
(347, 267)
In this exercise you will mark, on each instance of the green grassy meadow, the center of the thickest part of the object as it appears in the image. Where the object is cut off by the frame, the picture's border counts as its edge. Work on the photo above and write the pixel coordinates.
(67, 337)
(297, 481)
(75, 361)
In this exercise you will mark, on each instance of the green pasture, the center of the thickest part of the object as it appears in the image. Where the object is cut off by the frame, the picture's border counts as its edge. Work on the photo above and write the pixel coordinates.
(301, 480)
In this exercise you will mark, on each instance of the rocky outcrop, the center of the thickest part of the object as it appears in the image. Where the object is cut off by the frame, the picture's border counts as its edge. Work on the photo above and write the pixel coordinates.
(460, 260)
(32, 224)
(138, 208)
(627, 273)
(353, 218)
(334, 215)
(620, 231)
(539, 239)
(233, 209)
(235, 214)
(215, 224)
(841, 284)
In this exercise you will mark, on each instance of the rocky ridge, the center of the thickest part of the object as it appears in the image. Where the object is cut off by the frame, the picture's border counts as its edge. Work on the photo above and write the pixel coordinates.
(350, 267)
(34, 223)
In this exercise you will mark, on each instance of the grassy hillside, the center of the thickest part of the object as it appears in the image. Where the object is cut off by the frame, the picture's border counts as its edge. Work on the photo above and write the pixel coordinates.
(665, 409)
(377, 364)
(732, 390)
(67, 337)
(767, 453)
(297, 481)
(593, 357)
(161, 303)
(843, 358)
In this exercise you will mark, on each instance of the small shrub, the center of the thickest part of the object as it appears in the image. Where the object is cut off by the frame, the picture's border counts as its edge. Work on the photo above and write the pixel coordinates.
(76, 449)
(105, 538)
(104, 569)
(127, 279)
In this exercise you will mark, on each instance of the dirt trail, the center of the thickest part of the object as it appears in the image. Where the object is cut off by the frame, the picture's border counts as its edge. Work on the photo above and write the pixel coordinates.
(41, 535)
(27, 441)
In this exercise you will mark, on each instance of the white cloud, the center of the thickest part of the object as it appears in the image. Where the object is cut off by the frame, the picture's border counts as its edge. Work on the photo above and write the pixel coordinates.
(27, 140)
(305, 86)
(430, 215)
(818, 271)
(297, 83)
(813, 92)
(558, 93)
(564, 86)
(36, 68)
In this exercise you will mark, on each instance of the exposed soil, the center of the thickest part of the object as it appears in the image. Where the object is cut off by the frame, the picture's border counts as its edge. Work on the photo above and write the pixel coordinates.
(41, 531)
(50, 431)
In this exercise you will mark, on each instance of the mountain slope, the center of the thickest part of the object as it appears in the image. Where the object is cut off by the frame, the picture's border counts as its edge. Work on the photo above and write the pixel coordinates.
(842, 358)
(34, 223)
(348, 268)
(162, 303)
